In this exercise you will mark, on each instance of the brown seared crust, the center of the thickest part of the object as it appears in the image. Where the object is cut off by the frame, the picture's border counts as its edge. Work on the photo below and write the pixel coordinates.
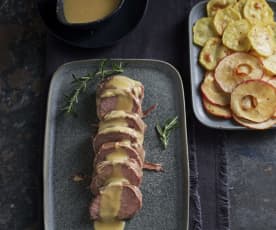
(130, 170)
(134, 152)
(102, 138)
(131, 203)
(108, 104)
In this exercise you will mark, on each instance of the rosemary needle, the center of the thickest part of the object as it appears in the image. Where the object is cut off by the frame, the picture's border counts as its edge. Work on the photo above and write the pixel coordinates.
(80, 84)
(165, 131)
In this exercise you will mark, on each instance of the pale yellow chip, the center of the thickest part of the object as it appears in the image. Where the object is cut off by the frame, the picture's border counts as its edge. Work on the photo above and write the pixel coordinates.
(216, 110)
(214, 5)
(272, 27)
(261, 40)
(235, 35)
(256, 11)
(223, 17)
(203, 30)
(252, 125)
(212, 53)
(239, 6)
(270, 64)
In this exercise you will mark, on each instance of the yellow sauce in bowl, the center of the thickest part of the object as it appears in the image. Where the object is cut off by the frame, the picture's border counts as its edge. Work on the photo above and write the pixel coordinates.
(84, 11)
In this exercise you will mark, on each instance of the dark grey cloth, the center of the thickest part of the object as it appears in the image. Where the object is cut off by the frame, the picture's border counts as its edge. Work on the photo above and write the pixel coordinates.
(163, 35)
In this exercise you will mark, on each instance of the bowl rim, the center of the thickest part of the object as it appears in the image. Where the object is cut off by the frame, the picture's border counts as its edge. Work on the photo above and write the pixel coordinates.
(62, 19)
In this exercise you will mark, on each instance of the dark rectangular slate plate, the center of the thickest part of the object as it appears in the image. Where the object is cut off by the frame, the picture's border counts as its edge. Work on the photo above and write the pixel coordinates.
(197, 73)
(68, 151)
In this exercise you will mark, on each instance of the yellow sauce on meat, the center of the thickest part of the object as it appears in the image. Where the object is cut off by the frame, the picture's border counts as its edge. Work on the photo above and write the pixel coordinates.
(82, 11)
(111, 225)
(112, 123)
(118, 155)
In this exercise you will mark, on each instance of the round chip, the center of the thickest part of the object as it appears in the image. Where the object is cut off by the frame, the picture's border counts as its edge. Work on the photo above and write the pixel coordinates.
(270, 64)
(239, 6)
(254, 100)
(216, 110)
(212, 53)
(252, 125)
(203, 30)
(256, 11)
(236, 68)
(261, 40)
(214, 5)
(212, 92)
(223, 17)
(272, 27)
(235, 35)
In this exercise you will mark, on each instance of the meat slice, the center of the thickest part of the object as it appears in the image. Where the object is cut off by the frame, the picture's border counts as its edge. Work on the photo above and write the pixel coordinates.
(114, 99)
(130, 201)
(132, 151)
(117, 134)
(122, 118)
(106, 171)
(121, 82)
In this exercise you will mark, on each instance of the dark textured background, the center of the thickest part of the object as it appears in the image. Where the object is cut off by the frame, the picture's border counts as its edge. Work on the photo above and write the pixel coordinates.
(251, 156)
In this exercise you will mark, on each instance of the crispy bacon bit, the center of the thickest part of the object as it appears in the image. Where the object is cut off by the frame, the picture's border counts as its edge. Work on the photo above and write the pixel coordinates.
(153, 167)
(207, 57)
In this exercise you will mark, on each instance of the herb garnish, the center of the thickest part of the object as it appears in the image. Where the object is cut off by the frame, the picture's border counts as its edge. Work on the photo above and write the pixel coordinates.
(80, 84)
(165, 131)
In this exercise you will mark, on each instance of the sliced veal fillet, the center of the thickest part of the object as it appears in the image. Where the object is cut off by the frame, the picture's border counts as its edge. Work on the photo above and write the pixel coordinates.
(106, 171)
(117, 99)
(130, 198)
(216, 110)
(254, 100)
(111, 150)
(124, 83)
(213, 92)
(117, 134)
(253, 125)
(237, 68)
(122, 118)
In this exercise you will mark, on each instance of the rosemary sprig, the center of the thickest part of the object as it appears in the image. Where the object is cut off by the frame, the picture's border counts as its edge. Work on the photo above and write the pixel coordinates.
(165, 131)
(80, 84)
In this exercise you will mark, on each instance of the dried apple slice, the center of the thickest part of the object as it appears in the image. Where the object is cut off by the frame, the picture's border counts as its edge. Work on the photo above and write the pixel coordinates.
(216, 110)
(212, 92)
(256, 11)
(272, 26)
(235, 35)
(261, 40)
(252, 125)
(214, 5)
(212, 53)
(223, 17)
(236, 68)
(240, 5)
(254, 100)
(270, 64)
(203, 30)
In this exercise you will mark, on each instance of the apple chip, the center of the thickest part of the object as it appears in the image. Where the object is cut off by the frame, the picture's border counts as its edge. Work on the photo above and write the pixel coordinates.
(235, 35)
(272, 27)
(252, 125)
(212, 53)
(216, 110)
(223, 17)
(270, 64)
(261, 39)
(212, 92)
(239, 6)
(203, 30)
(256, 11)
(214, 5)
(254, 100)
(236, 68)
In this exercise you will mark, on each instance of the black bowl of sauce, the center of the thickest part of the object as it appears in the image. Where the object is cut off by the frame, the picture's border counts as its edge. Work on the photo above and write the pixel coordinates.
(87, 14)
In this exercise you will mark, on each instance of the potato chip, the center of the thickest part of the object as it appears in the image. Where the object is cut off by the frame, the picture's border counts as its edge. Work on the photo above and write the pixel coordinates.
(256, 11)
(239, 6)
(261, 40)
(203, 30)
(218, 111)
(212, 52)
(223, 17)
(236, 68)
(214, 5)
(212, 92)
(254, 100)
(235, 35)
